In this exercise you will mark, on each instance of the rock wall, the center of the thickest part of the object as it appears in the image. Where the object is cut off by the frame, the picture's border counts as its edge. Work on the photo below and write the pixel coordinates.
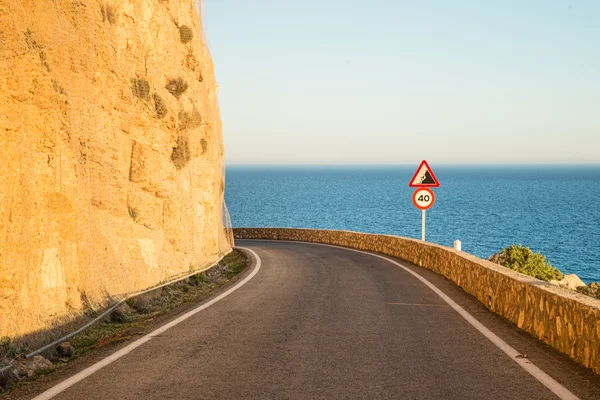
(111, 166)
(568, 321)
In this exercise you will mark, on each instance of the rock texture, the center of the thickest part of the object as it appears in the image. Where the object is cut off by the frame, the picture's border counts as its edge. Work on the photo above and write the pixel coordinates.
(111, 163)
(571, 282)
(568, 321)
(24, 369)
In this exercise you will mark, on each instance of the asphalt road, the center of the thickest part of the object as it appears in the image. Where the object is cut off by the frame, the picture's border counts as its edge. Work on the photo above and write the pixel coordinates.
(320, 322)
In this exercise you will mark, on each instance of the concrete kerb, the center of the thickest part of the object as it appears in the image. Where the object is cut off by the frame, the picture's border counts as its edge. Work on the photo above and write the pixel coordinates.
(566, 320)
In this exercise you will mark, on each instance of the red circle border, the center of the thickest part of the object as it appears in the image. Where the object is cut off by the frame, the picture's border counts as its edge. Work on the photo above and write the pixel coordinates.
(414, 198)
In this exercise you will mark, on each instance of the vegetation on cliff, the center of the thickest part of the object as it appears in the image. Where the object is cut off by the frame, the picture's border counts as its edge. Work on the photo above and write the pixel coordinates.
(135, 317)
(525, 261)
(592, 290)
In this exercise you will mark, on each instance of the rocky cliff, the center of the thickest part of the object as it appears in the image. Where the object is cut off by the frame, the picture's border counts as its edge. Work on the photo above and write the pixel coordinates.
(111, 153)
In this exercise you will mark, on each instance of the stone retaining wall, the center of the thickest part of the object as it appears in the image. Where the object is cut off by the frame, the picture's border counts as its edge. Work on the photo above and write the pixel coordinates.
(568, 321)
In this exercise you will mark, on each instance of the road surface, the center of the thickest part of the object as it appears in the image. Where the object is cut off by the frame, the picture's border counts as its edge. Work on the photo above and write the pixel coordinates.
(320, 322)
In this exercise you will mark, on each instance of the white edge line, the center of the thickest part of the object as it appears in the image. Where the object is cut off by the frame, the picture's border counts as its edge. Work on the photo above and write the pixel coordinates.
(50, 393)
(559, 390)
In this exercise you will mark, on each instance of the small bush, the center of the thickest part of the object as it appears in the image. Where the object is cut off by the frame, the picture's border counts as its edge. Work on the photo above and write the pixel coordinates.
(523, 260)
(140, 303)
(88, 307)
(185, 34)
(118, 316)
(177, 87)
(140, 88)
(11, 350)
(196, 280)
(592, 290)
(159, 106)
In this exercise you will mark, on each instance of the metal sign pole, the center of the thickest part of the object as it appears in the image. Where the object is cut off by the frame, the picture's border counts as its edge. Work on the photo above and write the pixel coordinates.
(423, 228)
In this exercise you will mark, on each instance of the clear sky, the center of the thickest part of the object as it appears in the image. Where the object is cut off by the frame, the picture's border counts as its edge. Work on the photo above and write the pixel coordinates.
(395, 82)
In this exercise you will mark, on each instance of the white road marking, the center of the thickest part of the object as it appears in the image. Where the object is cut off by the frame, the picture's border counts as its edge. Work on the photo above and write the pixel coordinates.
(50, 393)
(420, 305)
(559, 390)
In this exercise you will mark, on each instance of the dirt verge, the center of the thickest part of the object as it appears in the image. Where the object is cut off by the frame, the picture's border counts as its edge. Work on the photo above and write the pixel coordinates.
(135, 317)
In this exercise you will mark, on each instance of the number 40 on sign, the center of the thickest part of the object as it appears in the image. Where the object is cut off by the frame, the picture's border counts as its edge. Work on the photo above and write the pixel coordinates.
(423, 198)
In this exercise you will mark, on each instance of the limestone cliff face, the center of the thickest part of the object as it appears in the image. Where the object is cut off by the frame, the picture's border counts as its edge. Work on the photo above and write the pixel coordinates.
(111, 153)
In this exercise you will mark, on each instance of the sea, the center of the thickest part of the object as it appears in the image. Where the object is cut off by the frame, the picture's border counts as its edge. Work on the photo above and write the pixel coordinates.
(554, 210)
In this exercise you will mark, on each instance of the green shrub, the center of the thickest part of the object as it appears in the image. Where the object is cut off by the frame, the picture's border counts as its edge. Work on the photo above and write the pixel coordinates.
(10, 350)
(525, 261)
(592, 290)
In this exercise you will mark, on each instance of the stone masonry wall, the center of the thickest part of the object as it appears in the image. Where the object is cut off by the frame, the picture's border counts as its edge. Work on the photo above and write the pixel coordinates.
(568, 321)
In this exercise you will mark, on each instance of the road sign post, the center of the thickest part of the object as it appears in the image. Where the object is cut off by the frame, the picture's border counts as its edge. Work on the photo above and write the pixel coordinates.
(423, 198)
(423, 226)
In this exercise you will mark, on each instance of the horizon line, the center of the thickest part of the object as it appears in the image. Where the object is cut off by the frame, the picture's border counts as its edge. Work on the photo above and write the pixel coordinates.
(533, 164)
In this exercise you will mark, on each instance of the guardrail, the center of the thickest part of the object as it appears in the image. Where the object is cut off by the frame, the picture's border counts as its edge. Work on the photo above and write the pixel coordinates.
(566, 320)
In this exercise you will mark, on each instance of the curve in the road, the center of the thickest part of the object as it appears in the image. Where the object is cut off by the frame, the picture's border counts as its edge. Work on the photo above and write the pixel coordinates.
(324, 322)
(559, 390)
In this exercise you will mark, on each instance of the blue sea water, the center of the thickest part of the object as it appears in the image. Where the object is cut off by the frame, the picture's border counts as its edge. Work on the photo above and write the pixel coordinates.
(553, 210)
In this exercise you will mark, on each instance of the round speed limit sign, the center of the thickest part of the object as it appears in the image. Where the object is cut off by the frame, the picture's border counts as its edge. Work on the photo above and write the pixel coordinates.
(423, 198)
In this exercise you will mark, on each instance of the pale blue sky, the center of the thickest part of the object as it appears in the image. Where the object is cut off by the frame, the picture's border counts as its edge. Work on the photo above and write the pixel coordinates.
(395, 82)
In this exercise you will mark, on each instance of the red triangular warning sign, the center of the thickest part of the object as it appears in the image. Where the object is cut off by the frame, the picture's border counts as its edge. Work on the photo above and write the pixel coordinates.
(424, 177)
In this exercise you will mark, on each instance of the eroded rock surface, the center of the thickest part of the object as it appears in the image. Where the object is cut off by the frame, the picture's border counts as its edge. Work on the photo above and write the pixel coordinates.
(111, 163)
(571, 282)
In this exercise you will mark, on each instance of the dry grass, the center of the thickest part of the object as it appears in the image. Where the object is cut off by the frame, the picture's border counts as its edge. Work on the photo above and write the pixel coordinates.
(177, 87)
(139, 311)
(137, 315)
